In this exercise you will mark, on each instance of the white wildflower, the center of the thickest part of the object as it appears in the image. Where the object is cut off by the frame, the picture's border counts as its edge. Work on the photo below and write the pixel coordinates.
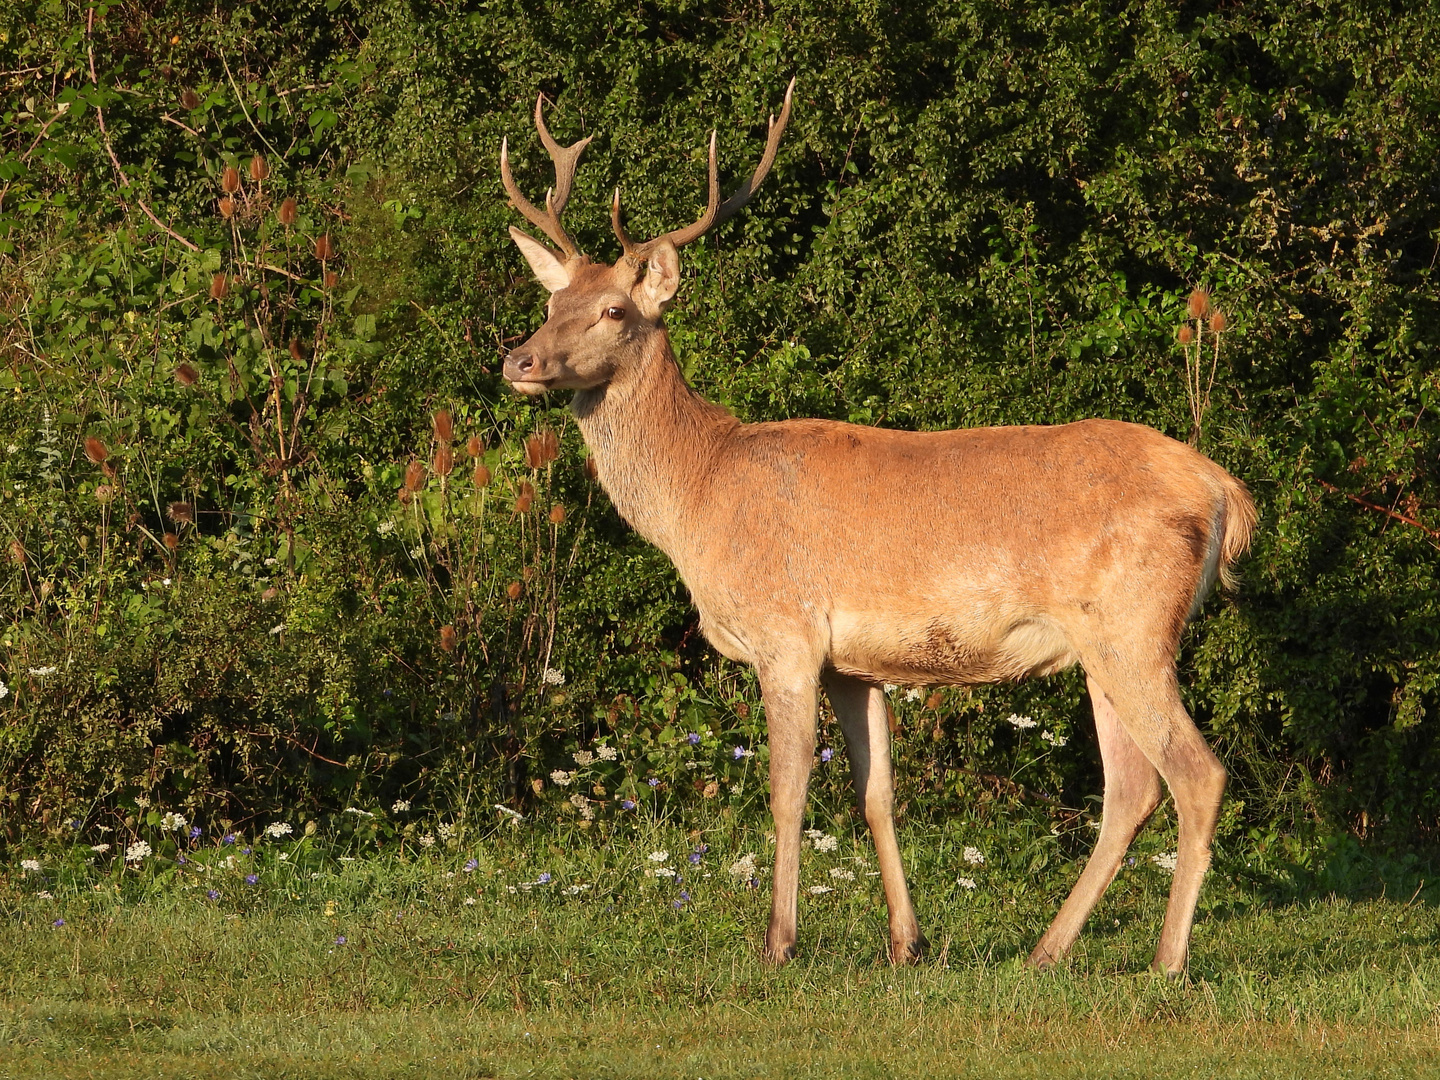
(284, 856)
(839, 873)
(49, 669)
(563, 778)
(890, 688)
(428, 840)
(400, 806)
(165, 582)
(100, 849)
(661, 871)
(4, 691)
(33, 865)
(44, 894)
(513, 815)
(142, 801)
(659, 856)
(1054, 740)
(277, 629)
(173, 822)
(743, 867)
(445, 829)
(579, 801)
(913, 694)
(417, 553)
(357, 811)
(137, 851)
(607, 753)
(469, 901)
(553, 677)
(511, 889)
(818, 890)
(272, 561)
(385, 528)
(965, 882)
(574, 890)
(825, 844)
(1166, 860)
(973, 856)
(584, 758)
(1021, 722)
(277, 829)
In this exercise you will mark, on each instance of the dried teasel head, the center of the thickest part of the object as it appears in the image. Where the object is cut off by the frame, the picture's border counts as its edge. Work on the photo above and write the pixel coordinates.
(330, 279)
(186, 375)
(1217, 321)
(96, 450)
(189, 99)
(259, 168)
(415, 476)
(104, 493)
(171, 541)
(557, 514)
(1186, 334)
(287, 213)
(296, 351)
(182, 513)
(226, 206)
(1199, 304)
(447, 638)
(324, 247)
(514, 590)
(526, 498)
(481, 475)
(934, 701)
(541, 448)
(592, 471)
(17, 553)
(443, 425)
(474, 446)
(444, 463)
(219, 286)
(230, 180)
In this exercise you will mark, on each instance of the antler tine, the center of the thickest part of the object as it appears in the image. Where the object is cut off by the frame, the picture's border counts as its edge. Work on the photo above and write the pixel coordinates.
(566, 158)
(715, 211)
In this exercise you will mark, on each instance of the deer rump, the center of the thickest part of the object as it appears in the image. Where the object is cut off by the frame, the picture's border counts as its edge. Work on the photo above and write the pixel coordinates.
(953, 557)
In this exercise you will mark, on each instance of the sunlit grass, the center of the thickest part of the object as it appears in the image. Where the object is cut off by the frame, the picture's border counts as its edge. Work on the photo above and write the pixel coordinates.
(430, 963)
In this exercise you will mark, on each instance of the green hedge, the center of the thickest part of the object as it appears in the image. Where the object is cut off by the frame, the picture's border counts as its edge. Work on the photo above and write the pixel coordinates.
(982, 214)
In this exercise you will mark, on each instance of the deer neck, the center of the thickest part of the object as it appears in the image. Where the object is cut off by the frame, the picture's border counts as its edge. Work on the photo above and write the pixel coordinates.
(654, 441)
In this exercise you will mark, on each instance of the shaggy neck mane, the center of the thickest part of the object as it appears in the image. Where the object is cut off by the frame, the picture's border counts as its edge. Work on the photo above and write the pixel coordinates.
(654, 441)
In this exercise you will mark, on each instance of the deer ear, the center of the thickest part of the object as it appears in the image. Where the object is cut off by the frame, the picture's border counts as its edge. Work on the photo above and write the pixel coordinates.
(662, 278)
(548, 270)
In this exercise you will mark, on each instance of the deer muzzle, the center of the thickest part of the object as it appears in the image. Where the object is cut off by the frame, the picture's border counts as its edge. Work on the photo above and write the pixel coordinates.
(526, 372)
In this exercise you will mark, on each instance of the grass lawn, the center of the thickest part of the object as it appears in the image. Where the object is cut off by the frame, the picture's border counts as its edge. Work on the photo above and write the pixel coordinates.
(554, 954)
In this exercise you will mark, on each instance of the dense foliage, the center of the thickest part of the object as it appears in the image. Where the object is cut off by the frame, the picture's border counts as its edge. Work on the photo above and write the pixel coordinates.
(248, 568)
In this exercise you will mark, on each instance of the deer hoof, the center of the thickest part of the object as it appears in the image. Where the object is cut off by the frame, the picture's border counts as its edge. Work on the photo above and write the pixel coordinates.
(1042, 959)
(906, 953)
(779, 954)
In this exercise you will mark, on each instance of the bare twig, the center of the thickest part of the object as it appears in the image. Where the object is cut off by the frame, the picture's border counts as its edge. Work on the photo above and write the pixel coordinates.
(115, 161)
(1434, 534)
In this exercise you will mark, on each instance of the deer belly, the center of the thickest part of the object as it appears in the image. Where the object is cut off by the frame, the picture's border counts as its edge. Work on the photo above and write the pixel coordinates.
(946, 650)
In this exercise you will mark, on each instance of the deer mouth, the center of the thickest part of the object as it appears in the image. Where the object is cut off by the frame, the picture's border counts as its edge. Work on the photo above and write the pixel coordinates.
(530, 388)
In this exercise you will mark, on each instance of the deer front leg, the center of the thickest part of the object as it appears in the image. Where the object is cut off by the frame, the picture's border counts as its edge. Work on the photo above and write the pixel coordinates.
(790, 700)
(860, 708)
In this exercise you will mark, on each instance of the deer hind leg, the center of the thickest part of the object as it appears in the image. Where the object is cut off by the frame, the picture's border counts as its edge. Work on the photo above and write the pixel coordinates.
(1132, 792)
(790, 703)
(860, 708)
(1153, 715)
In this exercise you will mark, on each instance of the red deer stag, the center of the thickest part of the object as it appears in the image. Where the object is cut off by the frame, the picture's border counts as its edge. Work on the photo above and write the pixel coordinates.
(827, 554)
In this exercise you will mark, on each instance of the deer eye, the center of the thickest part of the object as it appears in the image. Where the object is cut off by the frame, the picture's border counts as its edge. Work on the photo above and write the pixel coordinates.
(616, 313)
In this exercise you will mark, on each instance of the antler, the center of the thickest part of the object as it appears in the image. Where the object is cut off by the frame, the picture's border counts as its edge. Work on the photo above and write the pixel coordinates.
(565, 158)
(715, 210)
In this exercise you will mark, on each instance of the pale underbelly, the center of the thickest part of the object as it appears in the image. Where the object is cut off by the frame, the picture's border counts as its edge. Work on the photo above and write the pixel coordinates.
(946, 651)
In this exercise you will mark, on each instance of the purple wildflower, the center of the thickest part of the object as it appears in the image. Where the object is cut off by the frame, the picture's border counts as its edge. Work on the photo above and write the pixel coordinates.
(627, 804)
(471, 865)
(677, 904)
(228, 838)
(246, 850)
(58, 923)
(181, 859)
(695, 857)
(195, 832)
(826, 754)
(738, 752)
(684, 894)
(212, 894)
(252, 879)
(340, 940)
(653, 782)
(543, 879)
(693, 738)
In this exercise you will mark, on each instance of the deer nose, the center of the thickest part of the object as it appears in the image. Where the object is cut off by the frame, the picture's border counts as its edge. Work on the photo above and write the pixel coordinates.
(519, 366)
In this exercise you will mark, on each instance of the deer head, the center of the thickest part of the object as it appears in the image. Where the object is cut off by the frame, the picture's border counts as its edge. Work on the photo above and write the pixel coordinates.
(600, 317)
